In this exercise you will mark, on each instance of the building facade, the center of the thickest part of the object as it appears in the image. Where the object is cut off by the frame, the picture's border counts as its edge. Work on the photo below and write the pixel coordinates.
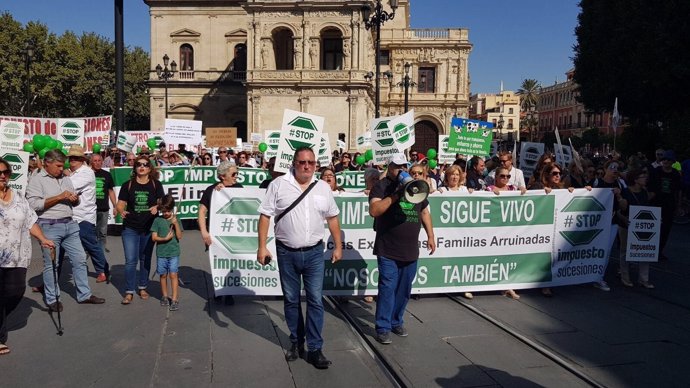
(241, 63)
(502, 109)
(559, 107)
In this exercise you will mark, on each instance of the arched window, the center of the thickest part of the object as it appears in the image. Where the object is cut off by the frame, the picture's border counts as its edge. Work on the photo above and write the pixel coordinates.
(331, 49)
(186, 57)
(283, 49)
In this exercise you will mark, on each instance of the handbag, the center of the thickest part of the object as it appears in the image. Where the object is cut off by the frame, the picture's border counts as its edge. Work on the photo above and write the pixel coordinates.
(297, 201)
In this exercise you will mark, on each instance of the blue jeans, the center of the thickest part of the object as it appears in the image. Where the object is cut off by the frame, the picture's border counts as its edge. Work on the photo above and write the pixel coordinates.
(167, 265)
(65, 237)
(87, 234)
(296, 267)
(395, 285)
(102, 227)
(138, 248)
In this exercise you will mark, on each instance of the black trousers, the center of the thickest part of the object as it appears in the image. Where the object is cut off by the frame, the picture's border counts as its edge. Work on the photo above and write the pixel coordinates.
(12, 288)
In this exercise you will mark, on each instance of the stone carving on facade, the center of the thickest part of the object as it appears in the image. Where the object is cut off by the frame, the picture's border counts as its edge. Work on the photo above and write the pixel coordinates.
(331, 75)
(265, 54)
(425, 55)
(329, 91)
(279, 14)
(327, 14)
(276, 91)
(346, 53)
(280, 75)
(314, 53)
(298, 53)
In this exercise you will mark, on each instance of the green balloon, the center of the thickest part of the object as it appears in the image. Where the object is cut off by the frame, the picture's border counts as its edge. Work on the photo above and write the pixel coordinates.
(59, 145)
(431, 153)
(42, 152)
(40, 142)
(432, 163)
(29, 147)
(369, 155)
(52, 144)
(96, 148)
(360, 160)
(139, 150)
(66, 164)
(263, 147)
(65, 151)
(151, 143)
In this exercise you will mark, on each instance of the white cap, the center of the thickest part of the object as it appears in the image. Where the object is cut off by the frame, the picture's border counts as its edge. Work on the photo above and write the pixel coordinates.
(398, 159)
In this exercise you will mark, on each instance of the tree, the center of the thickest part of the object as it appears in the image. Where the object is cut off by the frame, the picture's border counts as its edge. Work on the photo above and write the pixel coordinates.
(71, 76)
(638, 51)
(529, 92)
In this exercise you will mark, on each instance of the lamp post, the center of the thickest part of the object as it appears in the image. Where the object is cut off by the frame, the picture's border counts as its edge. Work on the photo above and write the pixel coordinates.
(165, 74)
(406, 83)
(28, 55)
(500, 130)
(376, 20)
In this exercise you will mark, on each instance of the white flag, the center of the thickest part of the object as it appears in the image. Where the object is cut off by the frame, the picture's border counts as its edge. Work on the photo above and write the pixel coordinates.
(615, 118)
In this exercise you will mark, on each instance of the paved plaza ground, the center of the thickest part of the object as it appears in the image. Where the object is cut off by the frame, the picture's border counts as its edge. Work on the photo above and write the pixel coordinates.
(623, 338)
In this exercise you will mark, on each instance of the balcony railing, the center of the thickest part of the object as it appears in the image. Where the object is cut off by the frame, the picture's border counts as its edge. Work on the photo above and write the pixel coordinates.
(430, 33)
(186, 74)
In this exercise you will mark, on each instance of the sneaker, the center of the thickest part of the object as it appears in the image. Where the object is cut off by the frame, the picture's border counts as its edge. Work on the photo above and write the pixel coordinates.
(400, 331)
(646, 285)
(384, 338)
(174, 305)
(165, 302)
(626, 282)
(602, 285)
(101, 278)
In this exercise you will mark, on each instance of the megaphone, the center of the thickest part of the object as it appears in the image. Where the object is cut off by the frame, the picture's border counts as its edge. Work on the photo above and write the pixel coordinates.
(414, 191)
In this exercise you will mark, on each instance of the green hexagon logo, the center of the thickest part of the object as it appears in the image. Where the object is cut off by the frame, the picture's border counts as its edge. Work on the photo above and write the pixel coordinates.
(241, 207)
(71, 126)
(401, 133)
(13, 130)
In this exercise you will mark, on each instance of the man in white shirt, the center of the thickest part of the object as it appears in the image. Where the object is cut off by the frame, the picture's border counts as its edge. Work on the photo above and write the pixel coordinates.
(85, 213)
(517, 178)
(299, 246)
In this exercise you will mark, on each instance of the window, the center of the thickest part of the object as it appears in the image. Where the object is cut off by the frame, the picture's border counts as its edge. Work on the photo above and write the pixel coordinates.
(427, 80)
(579, 119)
(510, 123)
(510, 111)
(186, 57)
(385, 57)
(331, 50)
(283, 49)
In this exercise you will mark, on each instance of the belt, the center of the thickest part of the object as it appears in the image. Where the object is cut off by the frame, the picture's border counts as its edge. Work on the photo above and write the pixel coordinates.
(291, 249)
(48, 221)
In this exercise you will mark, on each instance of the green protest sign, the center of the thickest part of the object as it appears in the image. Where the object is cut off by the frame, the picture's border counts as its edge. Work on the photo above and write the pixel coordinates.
(470, 137)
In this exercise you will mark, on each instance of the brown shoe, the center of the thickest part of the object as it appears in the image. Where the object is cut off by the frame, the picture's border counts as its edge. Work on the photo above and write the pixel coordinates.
(93, 299)
(55, 307)
(128, 299)
(143, 294)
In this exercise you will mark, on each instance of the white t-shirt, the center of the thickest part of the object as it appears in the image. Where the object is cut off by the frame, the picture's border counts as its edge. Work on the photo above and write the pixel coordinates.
(303, 226)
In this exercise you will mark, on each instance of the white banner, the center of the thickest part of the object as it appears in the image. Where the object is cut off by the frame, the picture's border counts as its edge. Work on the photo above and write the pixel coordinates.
(324, 155)
(444, 155)
(644, 233)
(382, 144)
(402, 128)
(126, 141)
(182, 132)
(20, 169)
(11, 135)
(272, 141)
(71, 132)
(298, 130)
(364, 140)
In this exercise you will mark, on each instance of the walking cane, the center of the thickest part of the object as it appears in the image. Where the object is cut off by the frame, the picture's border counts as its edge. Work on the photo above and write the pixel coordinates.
(57, 290)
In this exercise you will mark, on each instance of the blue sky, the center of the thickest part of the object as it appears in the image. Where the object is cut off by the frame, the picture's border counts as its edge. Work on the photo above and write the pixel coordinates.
(513, 39)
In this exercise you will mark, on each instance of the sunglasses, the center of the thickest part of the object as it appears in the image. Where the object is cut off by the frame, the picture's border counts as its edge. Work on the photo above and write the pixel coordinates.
(222, 152)
(305, 162)
(507, 176)
(416, 173)
(140, 164)
(5, 172)
(130, 160)
(555, 173)
(207, 158)
(234, 174)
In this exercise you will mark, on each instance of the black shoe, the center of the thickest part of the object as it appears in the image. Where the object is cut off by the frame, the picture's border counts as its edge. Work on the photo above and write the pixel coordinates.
(384, 338)
(93, 299)
(400, 331)
(296, 351)
(317, 359)
(55, 307)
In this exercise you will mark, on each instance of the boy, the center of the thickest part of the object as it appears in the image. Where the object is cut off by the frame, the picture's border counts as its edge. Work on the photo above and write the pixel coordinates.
(167, 232)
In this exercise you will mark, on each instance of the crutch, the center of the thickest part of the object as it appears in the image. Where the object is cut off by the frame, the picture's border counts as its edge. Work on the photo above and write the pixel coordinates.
(57, 291)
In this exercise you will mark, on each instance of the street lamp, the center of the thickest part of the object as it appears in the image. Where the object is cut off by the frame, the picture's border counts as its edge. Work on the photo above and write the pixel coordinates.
(406, 83)
(500, 129)
(28, 55)
(165, 74)
(376, 20)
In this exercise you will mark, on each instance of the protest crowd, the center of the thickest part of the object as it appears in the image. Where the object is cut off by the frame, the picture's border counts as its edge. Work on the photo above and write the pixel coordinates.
(70, 198)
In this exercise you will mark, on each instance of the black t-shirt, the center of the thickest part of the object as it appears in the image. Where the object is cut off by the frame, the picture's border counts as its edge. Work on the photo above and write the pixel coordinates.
(665, 186)
(206, 199)
(475, 181)
(397, 230)
(104, 183)
(140, 198)
(265, 183)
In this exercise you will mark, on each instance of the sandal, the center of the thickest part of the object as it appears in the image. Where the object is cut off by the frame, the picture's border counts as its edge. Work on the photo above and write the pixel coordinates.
(4, 350)
(143, 294)
(128, 299)
(511, 294)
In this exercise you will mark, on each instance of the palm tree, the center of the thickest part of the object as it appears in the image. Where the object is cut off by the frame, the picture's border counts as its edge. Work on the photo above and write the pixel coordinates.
(528, 92)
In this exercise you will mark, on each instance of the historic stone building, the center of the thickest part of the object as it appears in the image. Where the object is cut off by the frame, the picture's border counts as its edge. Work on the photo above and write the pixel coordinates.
(240, 63)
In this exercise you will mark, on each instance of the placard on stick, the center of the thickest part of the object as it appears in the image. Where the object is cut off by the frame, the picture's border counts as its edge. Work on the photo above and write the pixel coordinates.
(221, 137)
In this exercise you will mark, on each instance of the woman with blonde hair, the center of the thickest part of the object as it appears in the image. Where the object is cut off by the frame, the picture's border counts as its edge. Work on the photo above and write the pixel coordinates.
(454, 180)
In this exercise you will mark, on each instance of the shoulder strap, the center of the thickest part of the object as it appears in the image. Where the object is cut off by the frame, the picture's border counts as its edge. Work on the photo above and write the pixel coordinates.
(297, 201)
